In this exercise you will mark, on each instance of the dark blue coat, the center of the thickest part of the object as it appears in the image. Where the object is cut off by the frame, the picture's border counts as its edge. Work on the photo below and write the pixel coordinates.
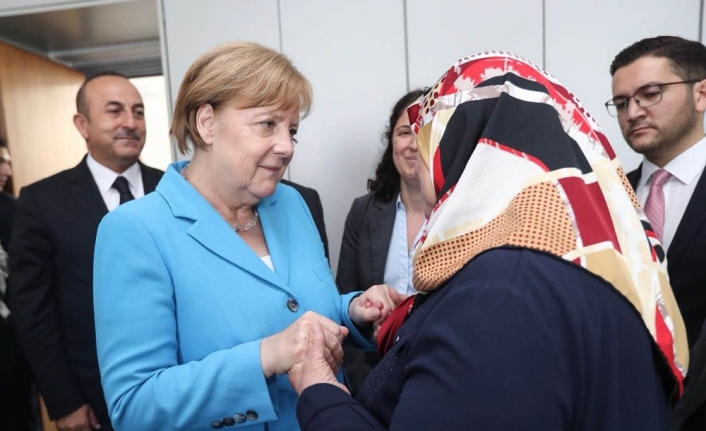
(517, 340)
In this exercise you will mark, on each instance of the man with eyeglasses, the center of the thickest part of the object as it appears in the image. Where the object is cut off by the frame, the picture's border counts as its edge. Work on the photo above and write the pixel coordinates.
(659, 99)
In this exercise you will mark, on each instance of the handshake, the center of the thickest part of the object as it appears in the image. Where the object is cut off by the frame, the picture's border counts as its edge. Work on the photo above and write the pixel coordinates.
(310, 349)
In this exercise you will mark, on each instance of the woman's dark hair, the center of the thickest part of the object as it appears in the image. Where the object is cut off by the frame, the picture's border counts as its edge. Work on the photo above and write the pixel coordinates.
(386, 183)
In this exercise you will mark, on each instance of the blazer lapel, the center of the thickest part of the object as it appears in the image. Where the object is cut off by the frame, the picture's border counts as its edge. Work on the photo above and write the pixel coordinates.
(212, 231)
(380, 225)
(150, 178)
(634, 177)
(691, 222)
(276, 237)
(84, 189)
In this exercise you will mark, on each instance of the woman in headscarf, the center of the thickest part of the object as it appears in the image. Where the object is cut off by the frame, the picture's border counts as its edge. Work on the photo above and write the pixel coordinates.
(545, 303)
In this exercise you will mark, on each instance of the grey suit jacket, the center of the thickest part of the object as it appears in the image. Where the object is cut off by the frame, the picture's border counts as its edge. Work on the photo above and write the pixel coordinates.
(366, 239)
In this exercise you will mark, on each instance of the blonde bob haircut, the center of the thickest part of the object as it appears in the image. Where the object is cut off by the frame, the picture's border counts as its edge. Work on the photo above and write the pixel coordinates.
(240, 74)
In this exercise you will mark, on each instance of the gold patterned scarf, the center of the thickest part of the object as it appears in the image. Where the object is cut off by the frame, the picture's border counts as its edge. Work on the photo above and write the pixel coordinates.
(517, 161)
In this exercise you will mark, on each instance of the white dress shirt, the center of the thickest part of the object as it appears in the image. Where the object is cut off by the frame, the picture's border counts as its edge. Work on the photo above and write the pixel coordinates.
(685, 170)
(105, 178)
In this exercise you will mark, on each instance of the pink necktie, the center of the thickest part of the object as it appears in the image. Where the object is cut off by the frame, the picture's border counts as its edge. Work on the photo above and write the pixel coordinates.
(654, 207)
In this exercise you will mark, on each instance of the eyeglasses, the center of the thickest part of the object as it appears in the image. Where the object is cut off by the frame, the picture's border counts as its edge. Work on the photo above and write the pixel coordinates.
(645, 96)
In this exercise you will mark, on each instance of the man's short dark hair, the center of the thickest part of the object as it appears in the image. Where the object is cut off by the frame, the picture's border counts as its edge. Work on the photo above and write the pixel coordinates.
(81, 103)
(686, 57)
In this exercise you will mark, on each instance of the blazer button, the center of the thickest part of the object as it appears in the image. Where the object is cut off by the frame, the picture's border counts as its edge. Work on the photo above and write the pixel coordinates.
(251, 414)
(239, 418)
(293, 305)
(217, 424)
(229, 422)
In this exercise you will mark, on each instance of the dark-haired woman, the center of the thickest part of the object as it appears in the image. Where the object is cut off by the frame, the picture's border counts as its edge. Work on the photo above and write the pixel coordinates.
(382, 227)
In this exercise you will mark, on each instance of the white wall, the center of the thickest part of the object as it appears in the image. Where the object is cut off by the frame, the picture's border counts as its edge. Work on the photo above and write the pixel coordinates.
(439, 32)
(362, 55)
(354, 57)
(193, 27)
(582, 38)
(157, 151)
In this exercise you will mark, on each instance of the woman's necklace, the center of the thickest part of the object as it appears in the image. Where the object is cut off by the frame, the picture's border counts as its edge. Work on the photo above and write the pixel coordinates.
(249, 224)
(237, 228)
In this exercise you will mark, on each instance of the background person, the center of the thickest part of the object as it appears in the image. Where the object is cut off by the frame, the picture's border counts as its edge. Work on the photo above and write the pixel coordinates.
(7, 201)
(19, 404)
(51, 253)
(382, 227)
(659, 98)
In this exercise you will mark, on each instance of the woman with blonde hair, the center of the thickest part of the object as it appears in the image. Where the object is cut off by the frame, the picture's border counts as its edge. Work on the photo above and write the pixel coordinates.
(205, 290)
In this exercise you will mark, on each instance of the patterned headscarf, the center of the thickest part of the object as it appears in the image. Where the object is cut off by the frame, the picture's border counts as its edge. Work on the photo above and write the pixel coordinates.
(517, 161)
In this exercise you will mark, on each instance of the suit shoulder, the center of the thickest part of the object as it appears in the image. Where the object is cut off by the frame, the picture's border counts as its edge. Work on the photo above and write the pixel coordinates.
(153, 171)
(303, 190)
(50, 183)
(363, 203)
(289, 191)
(149, 211)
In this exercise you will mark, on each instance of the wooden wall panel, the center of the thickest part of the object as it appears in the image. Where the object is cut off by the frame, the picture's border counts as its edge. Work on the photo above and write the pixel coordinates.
(38, 98)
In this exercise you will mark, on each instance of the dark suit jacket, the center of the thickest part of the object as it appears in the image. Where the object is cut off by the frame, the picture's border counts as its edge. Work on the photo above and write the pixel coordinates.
(517, 340)
(361, 264)
(7, 217)
(50, 289)
(366, 240)
(313, 201)
(690, 412)
(18, 398)
(686, 259)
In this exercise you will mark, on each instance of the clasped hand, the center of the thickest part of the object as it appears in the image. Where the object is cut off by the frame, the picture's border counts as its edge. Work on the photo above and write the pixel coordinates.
(373, 306)
(281, 351)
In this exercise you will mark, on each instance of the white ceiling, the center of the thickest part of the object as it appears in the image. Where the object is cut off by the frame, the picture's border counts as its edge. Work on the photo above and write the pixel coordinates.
(122, 37)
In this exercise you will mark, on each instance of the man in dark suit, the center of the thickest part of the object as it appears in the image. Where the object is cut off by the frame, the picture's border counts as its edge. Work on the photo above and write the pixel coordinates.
(659, 98)
(51, 251)
(313, 201)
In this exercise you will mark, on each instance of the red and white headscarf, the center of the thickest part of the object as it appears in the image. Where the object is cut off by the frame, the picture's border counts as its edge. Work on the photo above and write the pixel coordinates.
(517, 161)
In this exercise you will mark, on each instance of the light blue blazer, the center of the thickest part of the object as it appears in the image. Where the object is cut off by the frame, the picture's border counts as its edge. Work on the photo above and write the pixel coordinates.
(182, 304)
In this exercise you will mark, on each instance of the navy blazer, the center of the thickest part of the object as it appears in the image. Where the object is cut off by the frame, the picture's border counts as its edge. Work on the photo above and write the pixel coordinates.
(182, 304)
(686, 259)
(517, 340)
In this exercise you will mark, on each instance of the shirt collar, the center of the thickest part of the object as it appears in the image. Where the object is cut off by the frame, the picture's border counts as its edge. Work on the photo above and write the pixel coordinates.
(685, 167)
(105, 177)
(398, 202)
